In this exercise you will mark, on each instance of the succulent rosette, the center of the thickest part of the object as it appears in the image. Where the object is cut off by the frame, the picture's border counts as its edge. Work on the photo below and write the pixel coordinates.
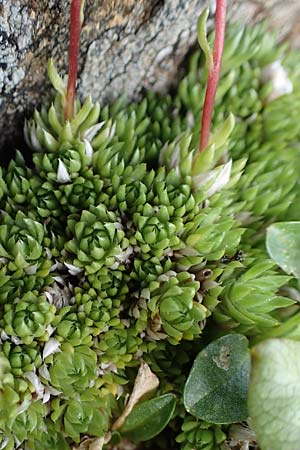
(28, 318)
(98, 239)
(170, 308)
(65, 160)
(118, 346)
(73, 328)
(96, 312)
(155, 232)
(29, 420)
(112, 282)
(178, 307)
(200, 435)
(21, 358)
(48, 437)
(15, 399)
(73, 369)
(17, 181)
(88, 414)
(21, 241)
(16, 284)
(250, 300)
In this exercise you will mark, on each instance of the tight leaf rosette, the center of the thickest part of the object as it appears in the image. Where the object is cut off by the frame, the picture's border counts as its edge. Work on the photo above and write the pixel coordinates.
(155, 231)
(175, 308)
(73, 369)
(28, 318)
(22, 358)
(21, 241)
(250, 300)
(98, 239)
(90, 415)
(48, 438)
(200, 435)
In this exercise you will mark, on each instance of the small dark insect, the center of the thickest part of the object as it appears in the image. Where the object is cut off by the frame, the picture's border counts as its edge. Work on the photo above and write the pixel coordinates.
(238, 256)
(204, 274)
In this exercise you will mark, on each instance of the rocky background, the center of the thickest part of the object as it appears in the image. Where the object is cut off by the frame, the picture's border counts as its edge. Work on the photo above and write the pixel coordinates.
(126, 46)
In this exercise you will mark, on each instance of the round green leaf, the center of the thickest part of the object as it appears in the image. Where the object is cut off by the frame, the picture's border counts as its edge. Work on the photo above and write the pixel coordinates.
(274, 394)
(216, 389)
(149, 418)
(283, 245)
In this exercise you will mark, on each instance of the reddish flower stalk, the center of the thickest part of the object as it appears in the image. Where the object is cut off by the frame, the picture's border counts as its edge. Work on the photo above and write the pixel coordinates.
(214, 74)
(75, 26)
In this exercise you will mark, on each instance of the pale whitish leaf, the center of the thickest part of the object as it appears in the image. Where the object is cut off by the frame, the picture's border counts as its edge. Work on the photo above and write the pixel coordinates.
(274, 394)
(97, 444)
(278, 76)
(215, 180)
(52, 346)
(24, 405)
(16, 340)
(145, 382)
(91, 132)
(34, 141)
(44, 372)
(31, 270)
(62, 173)
(88, 443)
(36, 383)
(88, 148)
(74, 270)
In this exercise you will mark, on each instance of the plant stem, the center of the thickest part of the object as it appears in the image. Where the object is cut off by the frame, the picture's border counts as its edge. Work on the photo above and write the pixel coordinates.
(214, 73)
(75, 26)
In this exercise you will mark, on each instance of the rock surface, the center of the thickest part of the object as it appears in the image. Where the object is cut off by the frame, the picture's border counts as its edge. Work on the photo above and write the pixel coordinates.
(126, 46)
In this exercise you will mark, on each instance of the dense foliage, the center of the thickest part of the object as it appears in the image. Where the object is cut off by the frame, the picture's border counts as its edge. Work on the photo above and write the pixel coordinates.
(119, 244)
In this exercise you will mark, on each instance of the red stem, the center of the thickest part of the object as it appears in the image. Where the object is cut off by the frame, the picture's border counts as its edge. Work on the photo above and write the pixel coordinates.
(75, 26)
(214, 74)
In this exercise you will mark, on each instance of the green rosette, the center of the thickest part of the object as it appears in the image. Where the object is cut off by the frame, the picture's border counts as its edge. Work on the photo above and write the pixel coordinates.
(97, 313)
(88, 414)
(175, 311)
(15, 284)
(250, 297)
(73, 369)
(21, 242)
(49, 437)
(22, 358)
(118, 346)
(98, 241)
(28, 318)
(200, 435)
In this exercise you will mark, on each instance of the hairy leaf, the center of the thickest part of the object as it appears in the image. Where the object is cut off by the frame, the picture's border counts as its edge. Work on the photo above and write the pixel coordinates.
(274, 394)
(216, 389)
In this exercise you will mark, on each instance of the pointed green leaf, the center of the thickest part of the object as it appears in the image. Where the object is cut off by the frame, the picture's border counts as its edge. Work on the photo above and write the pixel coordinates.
(283, 245)
(149, 418)
(274, 394)
(216, 389)
(202, 39)
(222, 134)
(55, 78)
